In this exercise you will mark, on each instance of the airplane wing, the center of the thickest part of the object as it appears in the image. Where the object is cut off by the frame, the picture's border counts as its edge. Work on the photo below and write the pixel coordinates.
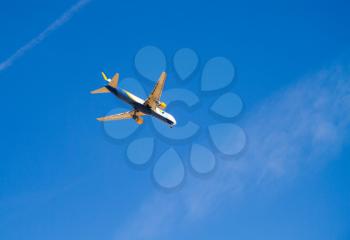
(154, 97)
(119, 116)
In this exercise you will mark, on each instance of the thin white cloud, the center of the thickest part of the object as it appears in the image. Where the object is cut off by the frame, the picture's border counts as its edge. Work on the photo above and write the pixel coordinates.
(52, 27)
(296, 129)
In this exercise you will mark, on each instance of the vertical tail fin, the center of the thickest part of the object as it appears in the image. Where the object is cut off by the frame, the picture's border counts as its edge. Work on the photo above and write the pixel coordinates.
(105, 77)
(111, 82)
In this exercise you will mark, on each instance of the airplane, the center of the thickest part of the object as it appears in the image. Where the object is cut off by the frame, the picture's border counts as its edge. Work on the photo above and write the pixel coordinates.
(151, 106)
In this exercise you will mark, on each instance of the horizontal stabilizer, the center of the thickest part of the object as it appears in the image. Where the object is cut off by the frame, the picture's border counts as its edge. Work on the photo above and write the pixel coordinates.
(114, 82)
(100, 90)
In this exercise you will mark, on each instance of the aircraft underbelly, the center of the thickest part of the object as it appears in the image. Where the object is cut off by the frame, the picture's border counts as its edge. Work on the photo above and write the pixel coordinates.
(138, 104)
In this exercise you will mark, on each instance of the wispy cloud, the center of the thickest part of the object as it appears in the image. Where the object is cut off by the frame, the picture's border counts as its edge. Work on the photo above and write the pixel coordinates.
(301, 127)
(52, 27)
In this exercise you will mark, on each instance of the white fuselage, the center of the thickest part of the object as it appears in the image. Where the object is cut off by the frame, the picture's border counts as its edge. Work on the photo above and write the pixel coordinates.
(139, 105)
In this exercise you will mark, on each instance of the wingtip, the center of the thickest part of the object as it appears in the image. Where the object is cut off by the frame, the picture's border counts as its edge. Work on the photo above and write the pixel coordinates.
(163, 75)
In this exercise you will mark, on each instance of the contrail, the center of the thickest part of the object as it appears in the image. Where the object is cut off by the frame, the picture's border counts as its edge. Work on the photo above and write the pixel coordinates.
(52, 27)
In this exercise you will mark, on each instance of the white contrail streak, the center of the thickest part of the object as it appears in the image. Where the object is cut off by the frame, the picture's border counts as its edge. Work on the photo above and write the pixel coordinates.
(52, 27)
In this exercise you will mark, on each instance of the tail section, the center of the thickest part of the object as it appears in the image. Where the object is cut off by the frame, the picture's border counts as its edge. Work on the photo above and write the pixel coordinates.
(105, 77)
(111, 82)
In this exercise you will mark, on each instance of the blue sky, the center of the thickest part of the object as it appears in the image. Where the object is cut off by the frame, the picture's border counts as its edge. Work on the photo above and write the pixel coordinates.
(61, 177)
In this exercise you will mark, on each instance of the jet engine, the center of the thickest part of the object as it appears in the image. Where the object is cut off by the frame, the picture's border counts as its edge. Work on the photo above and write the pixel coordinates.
(162, 105)
(138, 120)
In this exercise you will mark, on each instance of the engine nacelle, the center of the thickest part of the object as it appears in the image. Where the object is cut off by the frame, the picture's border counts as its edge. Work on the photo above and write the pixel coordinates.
(138, 120)
(162, 105)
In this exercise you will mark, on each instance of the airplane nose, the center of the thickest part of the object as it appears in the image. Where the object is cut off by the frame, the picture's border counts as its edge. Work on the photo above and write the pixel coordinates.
(173, 121)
